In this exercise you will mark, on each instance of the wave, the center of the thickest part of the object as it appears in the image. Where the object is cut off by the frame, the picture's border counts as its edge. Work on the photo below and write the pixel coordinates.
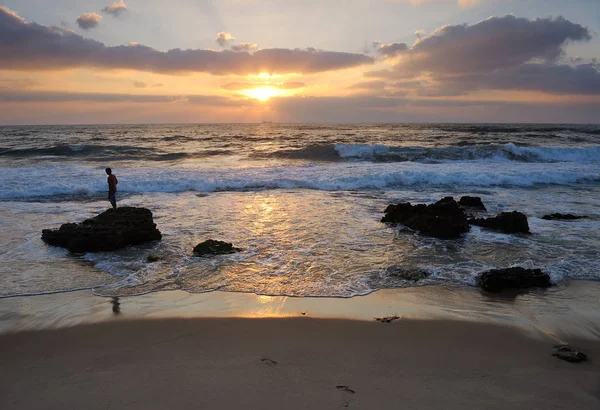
(107, 152)
(460, 152)
(33, 182)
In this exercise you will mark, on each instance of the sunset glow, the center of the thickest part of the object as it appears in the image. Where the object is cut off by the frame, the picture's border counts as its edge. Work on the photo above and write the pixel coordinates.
(95, 64)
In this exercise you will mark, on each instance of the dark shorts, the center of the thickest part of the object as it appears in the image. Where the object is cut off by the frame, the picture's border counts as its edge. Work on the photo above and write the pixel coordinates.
(112, 196)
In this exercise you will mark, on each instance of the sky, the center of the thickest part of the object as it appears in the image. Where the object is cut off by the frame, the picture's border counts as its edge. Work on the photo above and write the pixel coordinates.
(325, 61)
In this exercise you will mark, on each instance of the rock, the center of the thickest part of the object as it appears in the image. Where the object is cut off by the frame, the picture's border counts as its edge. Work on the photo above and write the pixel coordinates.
(472, 202)
(444, 219)
(212, 247)
(507, 222)
(109, 231)
(413, 275)
(153, 258)
(569, 354)
(387, 319)
(562, 217)
(497, 280)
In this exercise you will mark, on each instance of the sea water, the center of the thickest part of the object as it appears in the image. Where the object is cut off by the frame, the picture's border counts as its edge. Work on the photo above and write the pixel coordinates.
(303, 201)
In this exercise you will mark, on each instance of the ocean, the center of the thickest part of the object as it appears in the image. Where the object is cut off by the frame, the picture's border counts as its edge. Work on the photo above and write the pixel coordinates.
(303, 201)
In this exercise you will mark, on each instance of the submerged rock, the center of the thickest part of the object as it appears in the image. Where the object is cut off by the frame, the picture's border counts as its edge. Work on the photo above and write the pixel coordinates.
(569, 354)
(507, 222)
(497, 280)
(444, 219)
(109, 231)
(212, 247)
(472, 202)
(400, 272)
(562, 217)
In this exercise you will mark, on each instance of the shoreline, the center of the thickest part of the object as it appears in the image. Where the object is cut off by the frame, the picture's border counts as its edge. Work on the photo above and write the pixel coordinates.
(293, 363)
(566, 311)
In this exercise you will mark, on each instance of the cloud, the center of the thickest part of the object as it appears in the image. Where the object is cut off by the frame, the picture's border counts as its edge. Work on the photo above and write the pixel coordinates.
(244, 47)
(88, 20)
(157, 85)
(30, 46)
(139, 84)
(66, 97)
(500, 53)
(495, 43)
(238, 86)
(115, 9)
(369, 85)
(223, 38)
(391, 49)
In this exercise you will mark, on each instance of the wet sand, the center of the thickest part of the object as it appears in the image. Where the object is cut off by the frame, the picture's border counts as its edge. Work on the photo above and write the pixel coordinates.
(292, 363)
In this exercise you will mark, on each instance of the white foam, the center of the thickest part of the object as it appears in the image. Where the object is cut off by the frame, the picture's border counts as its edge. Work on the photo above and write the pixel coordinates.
(80, 180)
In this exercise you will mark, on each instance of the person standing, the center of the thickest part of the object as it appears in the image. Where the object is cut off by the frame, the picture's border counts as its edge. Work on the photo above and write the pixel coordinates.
(112, 188)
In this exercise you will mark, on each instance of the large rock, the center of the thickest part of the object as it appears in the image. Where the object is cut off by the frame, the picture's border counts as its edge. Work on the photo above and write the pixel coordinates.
(444, 219)
(108, 231)
(507, 222)
(562, 217)
(212, 247)
(472, 202)
(497, 280)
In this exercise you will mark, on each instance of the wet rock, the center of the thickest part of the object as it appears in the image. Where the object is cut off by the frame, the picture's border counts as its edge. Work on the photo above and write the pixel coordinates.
(387, 319)
(212, 247)
(562, 217)
(472, 202)
(153, 258)
(569, 354)
(444, 219)
(399, 272)
(507, 222)
(109, 231)
(497, 280)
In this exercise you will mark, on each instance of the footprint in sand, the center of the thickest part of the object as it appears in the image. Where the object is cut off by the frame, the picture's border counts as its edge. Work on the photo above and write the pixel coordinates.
(347, 390)
(269, 362)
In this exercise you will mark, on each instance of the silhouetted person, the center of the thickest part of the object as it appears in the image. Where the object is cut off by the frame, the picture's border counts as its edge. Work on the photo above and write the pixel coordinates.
(112, 188)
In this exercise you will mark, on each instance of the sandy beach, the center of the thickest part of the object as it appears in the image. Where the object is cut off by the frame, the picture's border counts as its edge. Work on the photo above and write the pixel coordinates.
(292, 363)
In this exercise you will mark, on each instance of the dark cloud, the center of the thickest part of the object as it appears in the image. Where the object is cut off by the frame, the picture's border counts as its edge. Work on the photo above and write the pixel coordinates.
(30, 46)
(500, 53)
(139, 84)
(495, 43)
(86, 21)
(115, 9)
(392, 49)
(550, 78)
(238, 86)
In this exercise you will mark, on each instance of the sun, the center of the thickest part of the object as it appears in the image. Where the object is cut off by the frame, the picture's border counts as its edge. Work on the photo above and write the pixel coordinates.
(262, 93)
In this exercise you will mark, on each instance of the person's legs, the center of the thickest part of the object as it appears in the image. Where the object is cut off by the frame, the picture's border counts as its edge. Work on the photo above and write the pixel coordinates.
(112, 197)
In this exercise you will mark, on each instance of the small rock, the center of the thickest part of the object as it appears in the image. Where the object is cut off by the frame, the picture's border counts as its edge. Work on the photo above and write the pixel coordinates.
(413, 275)
(507, 222)
(387, 319)
(497, 280)
(569, 354)
(153, 258)
(562, 217)
(212, 247)
(472, 202)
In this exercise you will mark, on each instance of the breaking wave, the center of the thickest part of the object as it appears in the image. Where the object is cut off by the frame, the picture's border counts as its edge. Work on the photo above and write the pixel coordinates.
(386, 153)
(31, 182)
